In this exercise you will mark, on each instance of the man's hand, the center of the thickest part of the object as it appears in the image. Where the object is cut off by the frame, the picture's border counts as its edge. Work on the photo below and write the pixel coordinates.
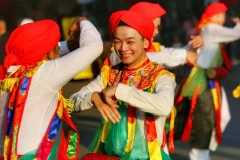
(235, 19)
(107, 112)
(192, 57)
(74, 34)
(109, 96)
(196, 42)
(74, 30)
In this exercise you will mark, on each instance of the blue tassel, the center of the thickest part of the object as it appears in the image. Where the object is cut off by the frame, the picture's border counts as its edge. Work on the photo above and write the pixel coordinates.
(54, 128)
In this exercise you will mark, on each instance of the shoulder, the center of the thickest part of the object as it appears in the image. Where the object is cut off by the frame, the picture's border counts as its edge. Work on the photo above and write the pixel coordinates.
(212, 27)
(159, 70)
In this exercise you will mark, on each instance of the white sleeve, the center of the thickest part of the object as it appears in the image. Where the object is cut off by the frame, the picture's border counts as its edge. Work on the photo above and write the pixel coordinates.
(169, 57)
(221, 34)
(114, 59)
(63, 48)
(158, 103)
(58, 72)
(82, 99)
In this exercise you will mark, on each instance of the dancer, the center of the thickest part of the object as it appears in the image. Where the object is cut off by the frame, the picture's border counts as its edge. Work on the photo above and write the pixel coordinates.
(32, 105)
(202, 107)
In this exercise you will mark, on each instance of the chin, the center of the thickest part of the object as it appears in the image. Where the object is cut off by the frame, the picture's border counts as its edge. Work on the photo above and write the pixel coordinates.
(126, 62)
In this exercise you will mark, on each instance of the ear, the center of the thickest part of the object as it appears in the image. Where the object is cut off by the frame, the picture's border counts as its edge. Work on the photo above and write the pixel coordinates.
(146, 43)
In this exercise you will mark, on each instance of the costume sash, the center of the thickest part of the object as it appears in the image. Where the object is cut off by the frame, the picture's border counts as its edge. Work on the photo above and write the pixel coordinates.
(18, 84)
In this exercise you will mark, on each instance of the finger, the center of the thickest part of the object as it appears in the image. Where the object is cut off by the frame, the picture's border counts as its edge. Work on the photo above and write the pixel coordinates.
(192, 36)
(103, 115)
(70, 34)
(196, 45)
(116, 113)
(112, 103)
(108, 113)
(72, 30)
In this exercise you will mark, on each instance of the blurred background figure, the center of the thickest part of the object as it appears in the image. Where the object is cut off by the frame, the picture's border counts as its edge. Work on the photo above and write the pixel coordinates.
(4, 34)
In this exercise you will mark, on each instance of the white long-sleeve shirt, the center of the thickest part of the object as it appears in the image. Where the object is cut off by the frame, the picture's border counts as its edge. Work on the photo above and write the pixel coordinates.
(159, 103)
(168, 57)
(42, 98)
(213, 35)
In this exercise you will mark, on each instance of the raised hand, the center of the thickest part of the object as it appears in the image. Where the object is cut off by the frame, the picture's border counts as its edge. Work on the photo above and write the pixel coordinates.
(74, 34)
(235, 19)
(196, 42)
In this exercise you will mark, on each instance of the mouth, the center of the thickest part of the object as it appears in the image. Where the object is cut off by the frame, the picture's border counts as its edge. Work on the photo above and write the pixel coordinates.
(126, 55)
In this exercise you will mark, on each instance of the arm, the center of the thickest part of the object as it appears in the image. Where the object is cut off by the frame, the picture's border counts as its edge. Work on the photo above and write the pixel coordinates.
(82, 99)
(90, 95)
(221, 34)
(169, 57)
(58, 72)
(158, 103)
(175, 57)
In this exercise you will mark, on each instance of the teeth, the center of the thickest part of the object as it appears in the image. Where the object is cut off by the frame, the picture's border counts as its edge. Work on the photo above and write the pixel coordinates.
(126, 55)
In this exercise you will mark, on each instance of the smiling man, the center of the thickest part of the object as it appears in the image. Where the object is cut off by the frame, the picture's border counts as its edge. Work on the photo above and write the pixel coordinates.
(134, 97)
(169, 57)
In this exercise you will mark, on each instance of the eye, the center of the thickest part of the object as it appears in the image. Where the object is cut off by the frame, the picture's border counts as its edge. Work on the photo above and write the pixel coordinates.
(130, 42)
(116, 42)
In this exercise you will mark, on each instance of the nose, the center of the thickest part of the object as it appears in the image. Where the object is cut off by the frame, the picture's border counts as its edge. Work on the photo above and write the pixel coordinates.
(155, 32)
(123, 47)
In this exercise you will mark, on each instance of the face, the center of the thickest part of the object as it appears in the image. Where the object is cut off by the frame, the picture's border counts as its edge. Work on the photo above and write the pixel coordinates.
(219, 18)
(54, 54)
(157, 23)
(130, 46)
(2, 26)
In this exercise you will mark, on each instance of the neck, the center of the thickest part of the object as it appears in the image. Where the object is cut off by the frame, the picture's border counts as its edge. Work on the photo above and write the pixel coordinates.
(45, 57)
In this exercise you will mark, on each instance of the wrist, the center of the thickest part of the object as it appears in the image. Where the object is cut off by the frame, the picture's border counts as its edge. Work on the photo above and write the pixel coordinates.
(94, 97)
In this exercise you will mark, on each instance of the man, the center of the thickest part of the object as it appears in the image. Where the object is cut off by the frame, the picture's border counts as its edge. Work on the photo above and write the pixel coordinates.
(31, 80)
(137, 94)
(202, 105)
(169, 57)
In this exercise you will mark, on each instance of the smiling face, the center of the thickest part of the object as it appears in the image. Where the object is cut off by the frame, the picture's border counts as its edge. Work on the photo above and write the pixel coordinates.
(130, 46)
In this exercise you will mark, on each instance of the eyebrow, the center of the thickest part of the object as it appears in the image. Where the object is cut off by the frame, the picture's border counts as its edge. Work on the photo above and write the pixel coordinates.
(126, 38)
